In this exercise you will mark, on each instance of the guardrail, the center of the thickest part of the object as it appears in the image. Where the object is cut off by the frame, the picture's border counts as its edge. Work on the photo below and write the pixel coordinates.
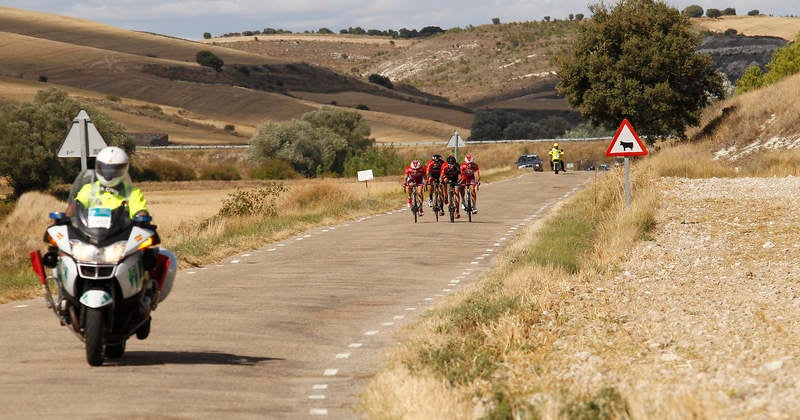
(382, 144)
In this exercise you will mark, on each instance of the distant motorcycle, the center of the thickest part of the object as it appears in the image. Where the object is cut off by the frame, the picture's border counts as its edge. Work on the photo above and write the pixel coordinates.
(106, 277)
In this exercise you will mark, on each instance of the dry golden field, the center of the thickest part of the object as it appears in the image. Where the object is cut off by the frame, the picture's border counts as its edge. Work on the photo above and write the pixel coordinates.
(783, 27)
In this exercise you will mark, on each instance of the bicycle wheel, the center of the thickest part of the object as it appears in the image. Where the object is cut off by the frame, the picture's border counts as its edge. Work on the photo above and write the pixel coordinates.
(437, 205)
(451, 204)
(468, 206)
(414, 205)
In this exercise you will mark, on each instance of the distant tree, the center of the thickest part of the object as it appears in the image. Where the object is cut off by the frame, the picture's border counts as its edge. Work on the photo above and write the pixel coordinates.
(43, 79)
(729, 11)
(325, 31)
(693, 11)
(342, 31)
(206, 35)
(495, 20)
(546, 19)
(637, 60)
(571, 16)
(713, 13)
(430, 31)
(754, 12)
(31, 134)
(381, 80)
(209, 59)
(579, 17)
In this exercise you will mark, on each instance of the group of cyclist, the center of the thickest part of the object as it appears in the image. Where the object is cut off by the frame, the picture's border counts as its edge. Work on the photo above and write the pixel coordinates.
(442, 174)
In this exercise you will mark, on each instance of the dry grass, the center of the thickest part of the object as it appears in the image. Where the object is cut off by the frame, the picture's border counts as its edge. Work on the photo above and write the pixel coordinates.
(783, 27)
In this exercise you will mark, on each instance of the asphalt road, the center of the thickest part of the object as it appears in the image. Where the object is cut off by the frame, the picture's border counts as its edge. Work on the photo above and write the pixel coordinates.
(294, 329)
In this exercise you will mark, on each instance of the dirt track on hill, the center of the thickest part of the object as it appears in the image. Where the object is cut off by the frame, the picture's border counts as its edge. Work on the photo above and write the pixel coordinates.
(291, 330)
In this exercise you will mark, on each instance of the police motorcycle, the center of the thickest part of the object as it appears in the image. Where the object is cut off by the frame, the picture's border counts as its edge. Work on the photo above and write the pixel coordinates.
(106, 274)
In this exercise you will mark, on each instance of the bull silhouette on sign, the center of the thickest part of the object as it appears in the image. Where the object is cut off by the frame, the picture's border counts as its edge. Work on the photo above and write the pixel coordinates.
(626, 145)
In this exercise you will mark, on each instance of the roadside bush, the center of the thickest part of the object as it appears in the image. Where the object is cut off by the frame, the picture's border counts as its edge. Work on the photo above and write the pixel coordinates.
(113, 98)
(260, 201)
(43, 79)
(220, 173)
(168, 170)
(713, 13)
(273, 169)
(382, 160)
(754, 12)
(784, 62)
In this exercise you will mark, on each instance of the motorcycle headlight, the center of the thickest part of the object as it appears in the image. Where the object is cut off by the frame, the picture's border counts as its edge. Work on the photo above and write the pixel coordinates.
(88, 253)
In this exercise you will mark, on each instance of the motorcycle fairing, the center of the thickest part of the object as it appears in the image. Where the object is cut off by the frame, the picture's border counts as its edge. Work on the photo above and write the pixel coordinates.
(130, 275)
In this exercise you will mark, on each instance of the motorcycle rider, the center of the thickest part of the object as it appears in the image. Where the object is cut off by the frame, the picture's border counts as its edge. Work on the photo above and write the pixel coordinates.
(414, 181)
(557, 154)
(110, 189)
(470, 179)
(434, 172)
(451, 173)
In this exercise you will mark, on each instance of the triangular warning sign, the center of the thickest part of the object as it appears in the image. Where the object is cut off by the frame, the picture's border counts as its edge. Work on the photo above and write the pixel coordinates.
(72, 143)
(456, 141)
(626, 142)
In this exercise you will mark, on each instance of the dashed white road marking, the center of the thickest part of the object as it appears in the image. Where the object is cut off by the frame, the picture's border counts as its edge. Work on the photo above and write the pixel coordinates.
(474, 262)
(318, 412)
(21, 306)
(330, 372)
(272, 249)
(191, 272)
(372, 332)
(343, 356)
(497, 244)
(447, 290)
(320, 387)
(411, 309)
(428, 299)
(399, 316)
(235, 261)
(316, 397)
(387, 324)
(355, 345)
(281, 244)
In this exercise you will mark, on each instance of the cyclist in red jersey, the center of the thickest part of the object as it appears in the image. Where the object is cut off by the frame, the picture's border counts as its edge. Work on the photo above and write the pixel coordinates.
(471, 178)
(414, 181)
(451, 174)
(434, 171)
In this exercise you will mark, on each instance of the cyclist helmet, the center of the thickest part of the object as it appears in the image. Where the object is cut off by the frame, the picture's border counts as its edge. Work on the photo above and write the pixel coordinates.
(437, 157)
(555, 144)
(451, 160)
(111, 166)
(415, 164)
(468, 158)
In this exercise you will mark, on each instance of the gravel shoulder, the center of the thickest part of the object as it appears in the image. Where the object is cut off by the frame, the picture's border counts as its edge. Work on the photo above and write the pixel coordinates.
(702, 320)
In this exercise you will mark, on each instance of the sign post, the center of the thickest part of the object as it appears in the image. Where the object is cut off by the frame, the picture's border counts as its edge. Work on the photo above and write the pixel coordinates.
(83, 140)
(365, 176)
(626, 143)
(455, 142)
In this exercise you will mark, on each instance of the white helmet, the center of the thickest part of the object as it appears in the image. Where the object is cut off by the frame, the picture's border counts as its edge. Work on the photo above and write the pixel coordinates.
(415, 164)
(111, 166)
(468, 158)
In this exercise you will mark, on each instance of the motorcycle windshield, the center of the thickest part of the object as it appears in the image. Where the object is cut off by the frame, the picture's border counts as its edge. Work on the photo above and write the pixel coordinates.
(94, 220)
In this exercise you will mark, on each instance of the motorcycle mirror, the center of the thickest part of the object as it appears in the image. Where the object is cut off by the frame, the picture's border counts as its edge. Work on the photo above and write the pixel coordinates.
(59, 217)
(142, 218)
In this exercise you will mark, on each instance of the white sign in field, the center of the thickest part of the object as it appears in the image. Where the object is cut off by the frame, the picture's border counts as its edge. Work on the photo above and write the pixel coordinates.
(365, 175)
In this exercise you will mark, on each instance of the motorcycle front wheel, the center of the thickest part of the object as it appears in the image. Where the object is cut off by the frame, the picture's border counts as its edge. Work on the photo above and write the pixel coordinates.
(94, 332)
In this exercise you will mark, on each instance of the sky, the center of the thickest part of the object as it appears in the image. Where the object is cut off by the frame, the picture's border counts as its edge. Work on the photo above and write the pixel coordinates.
(191, 18)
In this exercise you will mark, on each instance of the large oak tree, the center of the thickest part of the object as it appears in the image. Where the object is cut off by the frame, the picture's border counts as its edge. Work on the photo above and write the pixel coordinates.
(637, 60)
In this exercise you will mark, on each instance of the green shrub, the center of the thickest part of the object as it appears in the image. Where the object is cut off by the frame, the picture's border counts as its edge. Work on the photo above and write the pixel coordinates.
(382, 160)
(209, 59)
(273, 169)
(167, 170)
(607, 403)
(230, 128)
(220, 173)
(693, 11)
(113, 98)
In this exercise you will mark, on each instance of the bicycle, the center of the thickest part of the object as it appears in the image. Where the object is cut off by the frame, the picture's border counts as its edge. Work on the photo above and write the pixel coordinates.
(451, 200)
(437, 200)
(468, 202)
(415, 204)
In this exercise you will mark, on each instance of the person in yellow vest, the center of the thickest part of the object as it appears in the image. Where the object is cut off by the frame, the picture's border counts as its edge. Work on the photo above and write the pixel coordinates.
(110, 190)
(557, 155)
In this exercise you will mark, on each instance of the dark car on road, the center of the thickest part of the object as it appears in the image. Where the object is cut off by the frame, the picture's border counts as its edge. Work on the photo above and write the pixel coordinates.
(530, 161)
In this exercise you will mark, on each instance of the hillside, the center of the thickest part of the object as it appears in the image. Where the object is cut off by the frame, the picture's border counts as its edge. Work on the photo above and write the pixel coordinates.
(79, 55)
